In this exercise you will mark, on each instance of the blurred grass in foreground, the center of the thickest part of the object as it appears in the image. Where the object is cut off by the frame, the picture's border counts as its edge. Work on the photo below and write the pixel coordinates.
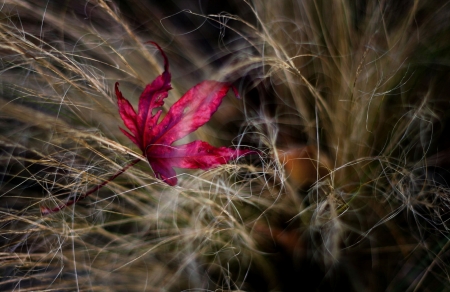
(347, 100)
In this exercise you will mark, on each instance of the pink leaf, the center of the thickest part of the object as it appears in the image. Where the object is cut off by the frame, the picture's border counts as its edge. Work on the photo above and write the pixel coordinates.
(128, 116)
(197, 154)
(190, 112)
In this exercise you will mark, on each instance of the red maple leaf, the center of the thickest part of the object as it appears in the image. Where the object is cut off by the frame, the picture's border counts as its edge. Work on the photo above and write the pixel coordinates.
(156, 140)
(190, 112)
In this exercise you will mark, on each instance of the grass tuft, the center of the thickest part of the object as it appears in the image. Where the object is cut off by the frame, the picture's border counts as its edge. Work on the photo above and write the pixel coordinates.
(347, 102)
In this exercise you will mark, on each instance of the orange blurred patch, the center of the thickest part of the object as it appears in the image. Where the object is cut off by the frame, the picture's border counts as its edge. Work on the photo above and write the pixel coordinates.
(303, 166)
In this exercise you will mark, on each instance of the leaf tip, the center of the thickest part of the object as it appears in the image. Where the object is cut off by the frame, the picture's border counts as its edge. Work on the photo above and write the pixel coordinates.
(117, 90)
(166, 60)
(171, 181)
(235, 91)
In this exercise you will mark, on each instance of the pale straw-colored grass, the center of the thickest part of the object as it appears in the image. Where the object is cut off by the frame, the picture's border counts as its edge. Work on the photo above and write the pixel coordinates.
(338, 97)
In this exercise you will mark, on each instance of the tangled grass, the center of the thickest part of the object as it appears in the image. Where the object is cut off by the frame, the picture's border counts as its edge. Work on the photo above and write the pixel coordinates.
(346, 100)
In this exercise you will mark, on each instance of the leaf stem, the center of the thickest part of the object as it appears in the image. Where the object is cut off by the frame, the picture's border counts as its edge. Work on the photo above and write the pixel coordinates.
(46, 211)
